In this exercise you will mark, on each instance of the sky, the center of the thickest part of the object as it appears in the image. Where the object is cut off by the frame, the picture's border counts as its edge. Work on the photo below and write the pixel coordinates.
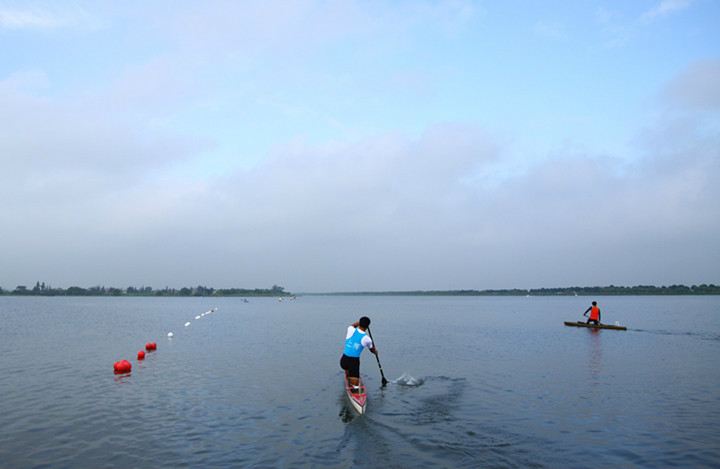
(359, 145)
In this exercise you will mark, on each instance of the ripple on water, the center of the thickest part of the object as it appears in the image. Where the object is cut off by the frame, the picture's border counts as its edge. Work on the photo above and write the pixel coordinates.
(498, 389)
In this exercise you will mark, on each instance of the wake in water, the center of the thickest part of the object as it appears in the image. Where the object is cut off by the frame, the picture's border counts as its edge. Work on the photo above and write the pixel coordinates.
(692, 334)
(408, 380)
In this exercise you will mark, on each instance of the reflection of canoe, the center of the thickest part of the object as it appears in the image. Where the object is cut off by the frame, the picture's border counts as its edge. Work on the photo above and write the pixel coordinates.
(595, 326)
(357, 396)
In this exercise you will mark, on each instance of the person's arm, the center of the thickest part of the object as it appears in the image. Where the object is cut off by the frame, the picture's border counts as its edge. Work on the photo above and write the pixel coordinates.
(368, 343)
(355, 324)
(599, 315)
(587, 311)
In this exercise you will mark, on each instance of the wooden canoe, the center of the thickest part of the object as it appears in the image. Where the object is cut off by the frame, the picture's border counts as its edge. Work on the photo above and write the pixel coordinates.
(357, 396)
(595, 326)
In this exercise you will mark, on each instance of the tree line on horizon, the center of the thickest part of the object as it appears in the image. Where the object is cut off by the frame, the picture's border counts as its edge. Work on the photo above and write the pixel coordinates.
(40, 289)
(611, 290)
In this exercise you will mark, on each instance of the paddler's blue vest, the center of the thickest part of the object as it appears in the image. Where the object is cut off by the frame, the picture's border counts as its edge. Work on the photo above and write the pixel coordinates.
(353, 345)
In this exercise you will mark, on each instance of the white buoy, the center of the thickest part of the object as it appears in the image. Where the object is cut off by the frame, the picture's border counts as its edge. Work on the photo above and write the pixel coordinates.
(170, 335)
(187, 324)
(197, 317)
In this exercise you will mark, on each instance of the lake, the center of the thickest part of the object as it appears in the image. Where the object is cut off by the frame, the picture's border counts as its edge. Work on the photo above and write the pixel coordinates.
(474, 382)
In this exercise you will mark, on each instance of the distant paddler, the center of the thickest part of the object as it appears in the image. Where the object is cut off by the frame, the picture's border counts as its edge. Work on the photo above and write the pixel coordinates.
(594, 314)
(356, 340)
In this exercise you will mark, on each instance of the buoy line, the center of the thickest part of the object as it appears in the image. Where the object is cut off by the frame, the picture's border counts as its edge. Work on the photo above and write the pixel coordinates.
(122, 367)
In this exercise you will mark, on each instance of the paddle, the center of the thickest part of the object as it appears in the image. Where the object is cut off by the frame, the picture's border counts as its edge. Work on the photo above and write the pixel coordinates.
(384, 381)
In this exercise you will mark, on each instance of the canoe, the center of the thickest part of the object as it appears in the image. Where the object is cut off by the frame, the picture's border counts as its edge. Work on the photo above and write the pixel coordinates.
(357, 397)
(595, 326)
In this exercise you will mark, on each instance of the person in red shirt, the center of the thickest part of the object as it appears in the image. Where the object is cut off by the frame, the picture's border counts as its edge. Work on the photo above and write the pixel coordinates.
(594, 313)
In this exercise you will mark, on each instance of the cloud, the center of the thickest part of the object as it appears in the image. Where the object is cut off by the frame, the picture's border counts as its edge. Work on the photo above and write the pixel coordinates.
(552, 30)
(623, 31)
(297, 28)
(663, 9)
(47, 16)
(29, 19)
(391, 211)
(697, 87)
(96, 185)
(395, 212)
(68, 151)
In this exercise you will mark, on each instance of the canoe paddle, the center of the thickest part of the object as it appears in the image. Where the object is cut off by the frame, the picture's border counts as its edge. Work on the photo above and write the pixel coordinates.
(384, 381)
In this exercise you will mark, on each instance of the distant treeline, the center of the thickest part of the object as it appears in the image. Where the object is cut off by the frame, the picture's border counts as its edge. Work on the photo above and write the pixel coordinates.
(41, 289)
(563, 291)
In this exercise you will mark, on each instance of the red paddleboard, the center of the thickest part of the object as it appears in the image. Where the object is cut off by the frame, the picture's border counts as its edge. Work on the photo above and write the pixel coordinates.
(357, 396)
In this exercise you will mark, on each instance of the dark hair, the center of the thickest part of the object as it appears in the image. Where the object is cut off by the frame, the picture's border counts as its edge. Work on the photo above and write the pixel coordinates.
(364, 322)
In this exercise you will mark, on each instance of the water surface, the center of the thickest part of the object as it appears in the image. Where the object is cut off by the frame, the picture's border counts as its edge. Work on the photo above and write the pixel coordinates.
(475, 382)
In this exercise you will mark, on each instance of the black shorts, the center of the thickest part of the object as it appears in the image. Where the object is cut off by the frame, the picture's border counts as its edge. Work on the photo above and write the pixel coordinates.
(351, 364)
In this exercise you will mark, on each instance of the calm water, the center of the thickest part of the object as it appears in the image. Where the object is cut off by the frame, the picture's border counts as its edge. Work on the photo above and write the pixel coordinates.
(475, 382)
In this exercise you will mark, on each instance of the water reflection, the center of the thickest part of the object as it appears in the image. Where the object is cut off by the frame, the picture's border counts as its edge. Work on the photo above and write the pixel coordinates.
(122, 377)
(346, 415)
(595, 359)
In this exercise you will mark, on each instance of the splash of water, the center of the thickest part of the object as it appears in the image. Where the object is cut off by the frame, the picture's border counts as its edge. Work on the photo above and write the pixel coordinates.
(408, 380)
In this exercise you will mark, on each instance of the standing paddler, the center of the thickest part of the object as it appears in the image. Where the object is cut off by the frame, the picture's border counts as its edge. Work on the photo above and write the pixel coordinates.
(356, 340)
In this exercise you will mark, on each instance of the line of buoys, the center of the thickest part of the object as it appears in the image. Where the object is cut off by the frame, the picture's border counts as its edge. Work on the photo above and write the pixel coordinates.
(200, 316)
(124, 366)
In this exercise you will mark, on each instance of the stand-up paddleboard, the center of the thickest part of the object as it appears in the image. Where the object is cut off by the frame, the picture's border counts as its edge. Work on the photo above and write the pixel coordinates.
(595, 326)
(357, 396)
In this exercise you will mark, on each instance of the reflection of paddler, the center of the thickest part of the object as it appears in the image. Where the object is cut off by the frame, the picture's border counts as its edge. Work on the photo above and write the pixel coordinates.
(356, 341)
(594, 313)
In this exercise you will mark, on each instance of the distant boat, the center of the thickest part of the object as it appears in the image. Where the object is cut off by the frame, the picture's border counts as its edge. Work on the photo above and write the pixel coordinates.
(595, 326)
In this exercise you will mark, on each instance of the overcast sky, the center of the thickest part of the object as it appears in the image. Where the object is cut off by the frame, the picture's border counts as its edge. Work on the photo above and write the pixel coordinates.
(355, 146)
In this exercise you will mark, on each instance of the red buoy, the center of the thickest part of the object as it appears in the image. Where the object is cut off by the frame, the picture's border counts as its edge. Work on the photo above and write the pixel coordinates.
(141, 355)
(151, 346)
(123, 366)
